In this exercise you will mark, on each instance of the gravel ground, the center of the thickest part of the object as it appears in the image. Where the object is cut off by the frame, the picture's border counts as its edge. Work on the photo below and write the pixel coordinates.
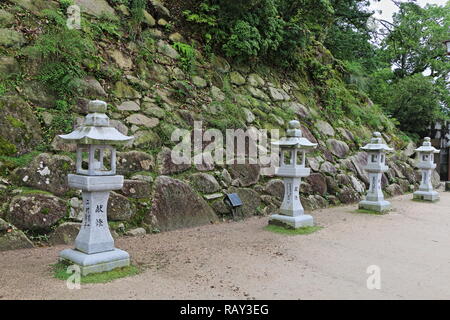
(241, 260)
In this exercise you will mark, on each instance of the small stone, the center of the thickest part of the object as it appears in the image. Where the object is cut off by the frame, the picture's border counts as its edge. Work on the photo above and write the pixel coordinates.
(236, 78)
(160, 8)
(258, 93)
(199, 82)
(278, 94)
(213, 196)
(166, 49)
(217, 94)
(249, 116)
(148, 19)
(76, 209)
(129, 106)
(141, 120)
(136, 232)
(325, 128)
(162, 22)
(96, 8)
(204, 182)
(124, 91)
(255, 80)
(176, 37)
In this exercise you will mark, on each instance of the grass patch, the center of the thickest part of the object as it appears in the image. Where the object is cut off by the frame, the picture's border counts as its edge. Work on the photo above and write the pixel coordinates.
(292, 232)
(60, 272)
(370, 212)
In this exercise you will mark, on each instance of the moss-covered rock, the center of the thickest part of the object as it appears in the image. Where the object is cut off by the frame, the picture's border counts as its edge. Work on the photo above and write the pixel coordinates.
(176, 205)
(35, 211)
(11, 38)
(20, 131)
(46, 172)
(11, 238)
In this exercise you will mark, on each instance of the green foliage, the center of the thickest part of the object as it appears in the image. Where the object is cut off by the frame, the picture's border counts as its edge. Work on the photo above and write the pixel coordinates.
(267, 29)
(137, 8)
(60, 272)
(62, 53)
(414, 102)
(65, 4)
(3, 89)
(290, 231)
(187, 53)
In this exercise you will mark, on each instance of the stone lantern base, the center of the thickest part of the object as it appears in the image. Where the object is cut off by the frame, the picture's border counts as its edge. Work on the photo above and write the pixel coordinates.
(378, 206)
(96, 262)
(295, 222)
(426, 195)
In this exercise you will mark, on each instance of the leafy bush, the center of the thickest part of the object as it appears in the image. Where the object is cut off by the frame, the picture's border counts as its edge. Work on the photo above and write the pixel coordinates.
(187, 53)
(62, 52)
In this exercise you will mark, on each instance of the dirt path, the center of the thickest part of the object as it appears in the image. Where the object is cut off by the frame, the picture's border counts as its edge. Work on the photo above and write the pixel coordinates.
(240, 260)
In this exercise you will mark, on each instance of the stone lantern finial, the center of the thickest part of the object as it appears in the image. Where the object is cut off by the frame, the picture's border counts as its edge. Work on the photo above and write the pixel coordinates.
(376, 165)
(426, 165)
(94, 246)
(292, 168)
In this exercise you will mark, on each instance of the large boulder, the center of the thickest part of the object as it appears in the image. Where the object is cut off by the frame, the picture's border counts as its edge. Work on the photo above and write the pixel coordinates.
(250, 198)
(359, 161)
(275, 187)
(204, 183)
(348, 195)
(176, 205)
(246, 174)
(20, 131)
(136, 189)
(46, 172)
(134, 161)
(120, 208)
(11, 238)
(318, 183)
(338, 148)
(65, 233)
(165, 164)
(35, 211)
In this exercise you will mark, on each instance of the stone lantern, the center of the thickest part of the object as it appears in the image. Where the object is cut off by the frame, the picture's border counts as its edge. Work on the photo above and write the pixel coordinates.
(426, 165)
(292, 168)
(96, 177)
(376, 165)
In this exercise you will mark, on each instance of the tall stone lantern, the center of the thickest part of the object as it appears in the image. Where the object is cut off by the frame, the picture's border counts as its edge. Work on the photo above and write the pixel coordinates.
(96, 177)
(292, 168)
(376, 165)
(426, 165)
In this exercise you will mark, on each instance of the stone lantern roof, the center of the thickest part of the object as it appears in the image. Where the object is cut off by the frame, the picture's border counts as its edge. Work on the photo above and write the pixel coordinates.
(427, 147)
(96, 128)
(294, 138)
(376, 144)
